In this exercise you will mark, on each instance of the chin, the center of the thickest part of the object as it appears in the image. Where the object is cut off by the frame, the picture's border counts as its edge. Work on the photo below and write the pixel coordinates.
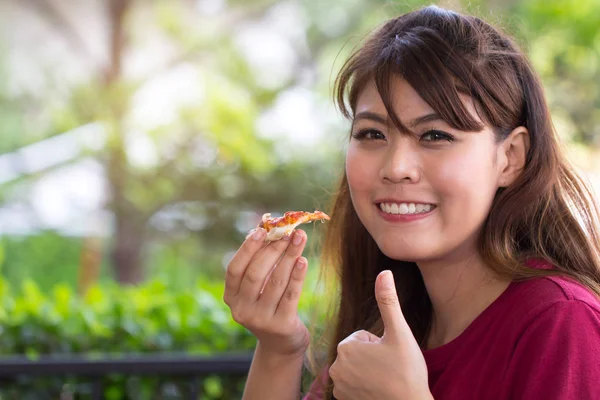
(402, 251)
(403, 256)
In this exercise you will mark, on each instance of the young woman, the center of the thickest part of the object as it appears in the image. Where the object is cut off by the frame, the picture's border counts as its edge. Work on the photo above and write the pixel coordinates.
(466, 248)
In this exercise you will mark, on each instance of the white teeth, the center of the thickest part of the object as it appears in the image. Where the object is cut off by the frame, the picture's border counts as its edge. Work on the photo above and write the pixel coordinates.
(405, 208)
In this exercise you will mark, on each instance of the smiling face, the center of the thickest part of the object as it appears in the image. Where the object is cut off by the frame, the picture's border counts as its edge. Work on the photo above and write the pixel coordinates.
(424, 194)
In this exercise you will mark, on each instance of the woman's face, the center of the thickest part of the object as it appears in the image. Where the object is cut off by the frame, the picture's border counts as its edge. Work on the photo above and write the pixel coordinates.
(422, 195)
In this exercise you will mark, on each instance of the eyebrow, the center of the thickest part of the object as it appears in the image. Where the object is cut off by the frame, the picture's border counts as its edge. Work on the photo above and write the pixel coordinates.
(383, 120)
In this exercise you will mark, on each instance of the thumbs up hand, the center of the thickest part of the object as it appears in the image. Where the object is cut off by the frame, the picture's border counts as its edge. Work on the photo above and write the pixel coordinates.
(392, 367)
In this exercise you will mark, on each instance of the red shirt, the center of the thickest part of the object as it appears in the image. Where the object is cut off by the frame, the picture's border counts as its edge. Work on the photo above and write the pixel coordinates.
(540, 340)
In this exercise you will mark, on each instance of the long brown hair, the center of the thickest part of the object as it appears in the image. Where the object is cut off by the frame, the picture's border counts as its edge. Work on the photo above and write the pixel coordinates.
(547, 213)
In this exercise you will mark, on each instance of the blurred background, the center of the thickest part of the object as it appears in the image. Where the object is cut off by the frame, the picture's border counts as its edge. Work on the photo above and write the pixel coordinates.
(142, 139)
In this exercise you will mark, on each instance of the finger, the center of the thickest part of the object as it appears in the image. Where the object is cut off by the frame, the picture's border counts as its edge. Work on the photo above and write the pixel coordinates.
(288, 305)
(273, 268)
(240, 260)
(360, 336)
(365, 337)
(260, 265)
(278, 281)
(395, 326)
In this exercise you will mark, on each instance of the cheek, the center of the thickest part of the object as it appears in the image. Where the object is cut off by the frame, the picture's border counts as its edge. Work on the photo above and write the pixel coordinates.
(360, 170)
(469, 179)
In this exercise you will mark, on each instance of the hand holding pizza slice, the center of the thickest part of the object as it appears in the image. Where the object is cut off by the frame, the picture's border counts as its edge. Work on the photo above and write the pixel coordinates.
(277, 228)
(264, 281)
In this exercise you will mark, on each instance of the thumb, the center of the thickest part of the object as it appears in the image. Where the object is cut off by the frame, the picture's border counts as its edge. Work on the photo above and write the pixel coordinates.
(394, 324)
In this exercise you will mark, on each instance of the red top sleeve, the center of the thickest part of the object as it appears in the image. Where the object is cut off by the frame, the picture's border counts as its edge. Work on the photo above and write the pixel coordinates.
(316, 392)
(558, 355)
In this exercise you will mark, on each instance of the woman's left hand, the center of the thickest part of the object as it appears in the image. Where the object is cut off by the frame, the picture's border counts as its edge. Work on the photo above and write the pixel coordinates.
(392, 367)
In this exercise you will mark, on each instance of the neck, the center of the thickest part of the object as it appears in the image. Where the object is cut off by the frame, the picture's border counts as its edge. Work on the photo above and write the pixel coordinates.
(460, 289)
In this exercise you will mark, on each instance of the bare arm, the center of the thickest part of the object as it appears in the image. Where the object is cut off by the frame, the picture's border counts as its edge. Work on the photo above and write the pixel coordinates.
(273, 376)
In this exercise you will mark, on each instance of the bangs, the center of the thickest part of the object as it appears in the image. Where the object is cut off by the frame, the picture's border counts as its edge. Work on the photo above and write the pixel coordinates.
(419, 56)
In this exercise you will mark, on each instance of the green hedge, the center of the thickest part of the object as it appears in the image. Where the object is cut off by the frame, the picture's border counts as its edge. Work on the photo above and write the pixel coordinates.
(110, 318)
(114, 319)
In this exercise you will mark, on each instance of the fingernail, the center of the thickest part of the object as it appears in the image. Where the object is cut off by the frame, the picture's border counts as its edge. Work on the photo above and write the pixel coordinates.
(388, 279)
(250, 233)
(301, 263)
(297, 238)
(287, 236)
(258, 234)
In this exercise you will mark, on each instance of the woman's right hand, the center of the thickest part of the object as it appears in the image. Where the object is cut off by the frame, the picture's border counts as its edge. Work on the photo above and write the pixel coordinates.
(271, 315)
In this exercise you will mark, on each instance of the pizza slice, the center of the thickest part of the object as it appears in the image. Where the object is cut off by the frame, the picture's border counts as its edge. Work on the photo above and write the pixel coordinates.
(277, 228)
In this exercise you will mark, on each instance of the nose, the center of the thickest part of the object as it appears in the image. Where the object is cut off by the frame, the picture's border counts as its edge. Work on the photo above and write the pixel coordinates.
(401, 163)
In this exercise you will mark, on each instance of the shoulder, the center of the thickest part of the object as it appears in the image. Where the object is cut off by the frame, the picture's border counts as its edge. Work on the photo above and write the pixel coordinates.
(555, 302)
(538, 296)
(557, 341)
(555, 314)
(562, 302)
(544, 300)
(560, 288)
(567, 290)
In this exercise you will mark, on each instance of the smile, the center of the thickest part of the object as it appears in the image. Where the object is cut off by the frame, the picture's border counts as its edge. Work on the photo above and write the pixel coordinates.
(405, 208)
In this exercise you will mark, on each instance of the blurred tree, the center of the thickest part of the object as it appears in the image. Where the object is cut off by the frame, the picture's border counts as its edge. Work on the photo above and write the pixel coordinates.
(211, 167)
(564, 44)
(195, 167)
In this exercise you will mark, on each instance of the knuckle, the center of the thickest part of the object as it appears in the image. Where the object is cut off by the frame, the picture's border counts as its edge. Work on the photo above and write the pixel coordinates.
(231, 274)
(336, 393)
(238, 317)
(276, 282)
(252, 277)
(246, 320)
(333, 373)
(388, 299)
(342, 349)
(292, 294)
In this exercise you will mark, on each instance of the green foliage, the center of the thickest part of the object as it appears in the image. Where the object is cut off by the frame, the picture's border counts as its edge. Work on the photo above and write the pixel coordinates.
(109, 319)
(46, 258)
(564, 46)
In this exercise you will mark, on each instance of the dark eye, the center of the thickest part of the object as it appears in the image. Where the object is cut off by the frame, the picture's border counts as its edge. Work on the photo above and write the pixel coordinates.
(368, 134)
(436, 136)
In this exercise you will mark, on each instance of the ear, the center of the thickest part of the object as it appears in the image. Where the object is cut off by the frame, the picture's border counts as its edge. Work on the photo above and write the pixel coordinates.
(512, 155)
